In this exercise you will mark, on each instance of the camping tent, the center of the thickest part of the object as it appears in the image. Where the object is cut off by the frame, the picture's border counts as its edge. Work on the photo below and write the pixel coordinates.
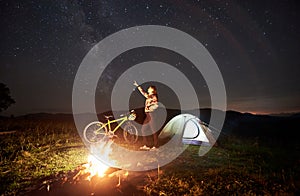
(191, 130)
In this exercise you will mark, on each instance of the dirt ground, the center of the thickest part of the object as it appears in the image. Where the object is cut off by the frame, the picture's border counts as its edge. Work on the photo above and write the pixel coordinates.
(115, 182)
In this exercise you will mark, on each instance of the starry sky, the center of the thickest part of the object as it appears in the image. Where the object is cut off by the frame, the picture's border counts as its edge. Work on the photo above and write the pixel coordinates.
(254, 43)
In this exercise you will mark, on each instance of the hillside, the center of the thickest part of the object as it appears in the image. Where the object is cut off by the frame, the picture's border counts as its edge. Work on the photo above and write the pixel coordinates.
(236, 123)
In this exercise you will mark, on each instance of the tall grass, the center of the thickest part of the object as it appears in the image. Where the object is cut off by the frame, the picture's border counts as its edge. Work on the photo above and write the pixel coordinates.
(37, 149)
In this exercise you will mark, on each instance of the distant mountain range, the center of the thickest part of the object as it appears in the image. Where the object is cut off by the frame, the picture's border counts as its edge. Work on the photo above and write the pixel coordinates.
(236, 123)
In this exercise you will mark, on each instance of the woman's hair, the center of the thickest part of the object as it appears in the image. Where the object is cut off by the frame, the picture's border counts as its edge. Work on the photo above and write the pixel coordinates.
(154, 89)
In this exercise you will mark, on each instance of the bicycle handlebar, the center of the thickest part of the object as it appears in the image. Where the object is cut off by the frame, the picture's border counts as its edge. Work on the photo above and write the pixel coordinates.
(131, 111)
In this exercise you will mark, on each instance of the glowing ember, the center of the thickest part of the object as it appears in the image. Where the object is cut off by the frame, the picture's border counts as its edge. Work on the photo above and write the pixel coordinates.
(95, 167)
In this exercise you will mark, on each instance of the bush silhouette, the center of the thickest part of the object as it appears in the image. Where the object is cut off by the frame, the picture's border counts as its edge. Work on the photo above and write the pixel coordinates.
(5, 98)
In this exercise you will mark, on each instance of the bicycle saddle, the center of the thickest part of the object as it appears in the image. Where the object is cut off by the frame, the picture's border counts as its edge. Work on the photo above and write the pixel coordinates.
(107, 117)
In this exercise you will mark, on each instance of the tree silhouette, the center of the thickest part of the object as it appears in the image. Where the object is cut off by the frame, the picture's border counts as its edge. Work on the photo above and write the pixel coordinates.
(5, 98)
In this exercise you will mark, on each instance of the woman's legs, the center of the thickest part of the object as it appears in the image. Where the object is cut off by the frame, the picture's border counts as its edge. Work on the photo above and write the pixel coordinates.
(145, 126)
(150, 121)
(153, 128)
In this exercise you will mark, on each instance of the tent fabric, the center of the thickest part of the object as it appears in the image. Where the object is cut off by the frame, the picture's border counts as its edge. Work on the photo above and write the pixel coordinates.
(190, 129)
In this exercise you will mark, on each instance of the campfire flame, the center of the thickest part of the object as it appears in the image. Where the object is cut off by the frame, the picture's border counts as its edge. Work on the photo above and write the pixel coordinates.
(95, 167)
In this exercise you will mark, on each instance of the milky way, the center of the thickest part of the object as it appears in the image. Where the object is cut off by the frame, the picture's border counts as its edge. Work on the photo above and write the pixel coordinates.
(256, 46)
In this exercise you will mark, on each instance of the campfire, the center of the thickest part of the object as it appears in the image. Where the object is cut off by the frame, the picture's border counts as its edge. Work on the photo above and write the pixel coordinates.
(97, 175)
(95, 167)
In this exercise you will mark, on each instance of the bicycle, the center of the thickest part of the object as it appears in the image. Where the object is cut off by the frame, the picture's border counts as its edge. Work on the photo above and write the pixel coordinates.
(96, 131)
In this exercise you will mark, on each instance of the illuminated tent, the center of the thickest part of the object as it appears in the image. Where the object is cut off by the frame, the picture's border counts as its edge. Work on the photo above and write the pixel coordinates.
(191, 130)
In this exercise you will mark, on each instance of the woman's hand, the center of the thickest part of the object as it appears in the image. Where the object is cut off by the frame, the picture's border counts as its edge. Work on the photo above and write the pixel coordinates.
(135, 84)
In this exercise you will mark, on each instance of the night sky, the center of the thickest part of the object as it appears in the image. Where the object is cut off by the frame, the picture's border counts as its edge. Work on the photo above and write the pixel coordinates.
(254, 43)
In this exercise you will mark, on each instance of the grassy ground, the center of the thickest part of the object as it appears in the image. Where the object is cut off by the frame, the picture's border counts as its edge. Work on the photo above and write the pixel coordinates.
(41, 149)
(237, 167)
(37, 149)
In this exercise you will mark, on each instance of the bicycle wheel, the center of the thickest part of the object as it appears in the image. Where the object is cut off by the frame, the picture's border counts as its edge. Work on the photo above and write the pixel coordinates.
(94, 132)
(130, 133)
